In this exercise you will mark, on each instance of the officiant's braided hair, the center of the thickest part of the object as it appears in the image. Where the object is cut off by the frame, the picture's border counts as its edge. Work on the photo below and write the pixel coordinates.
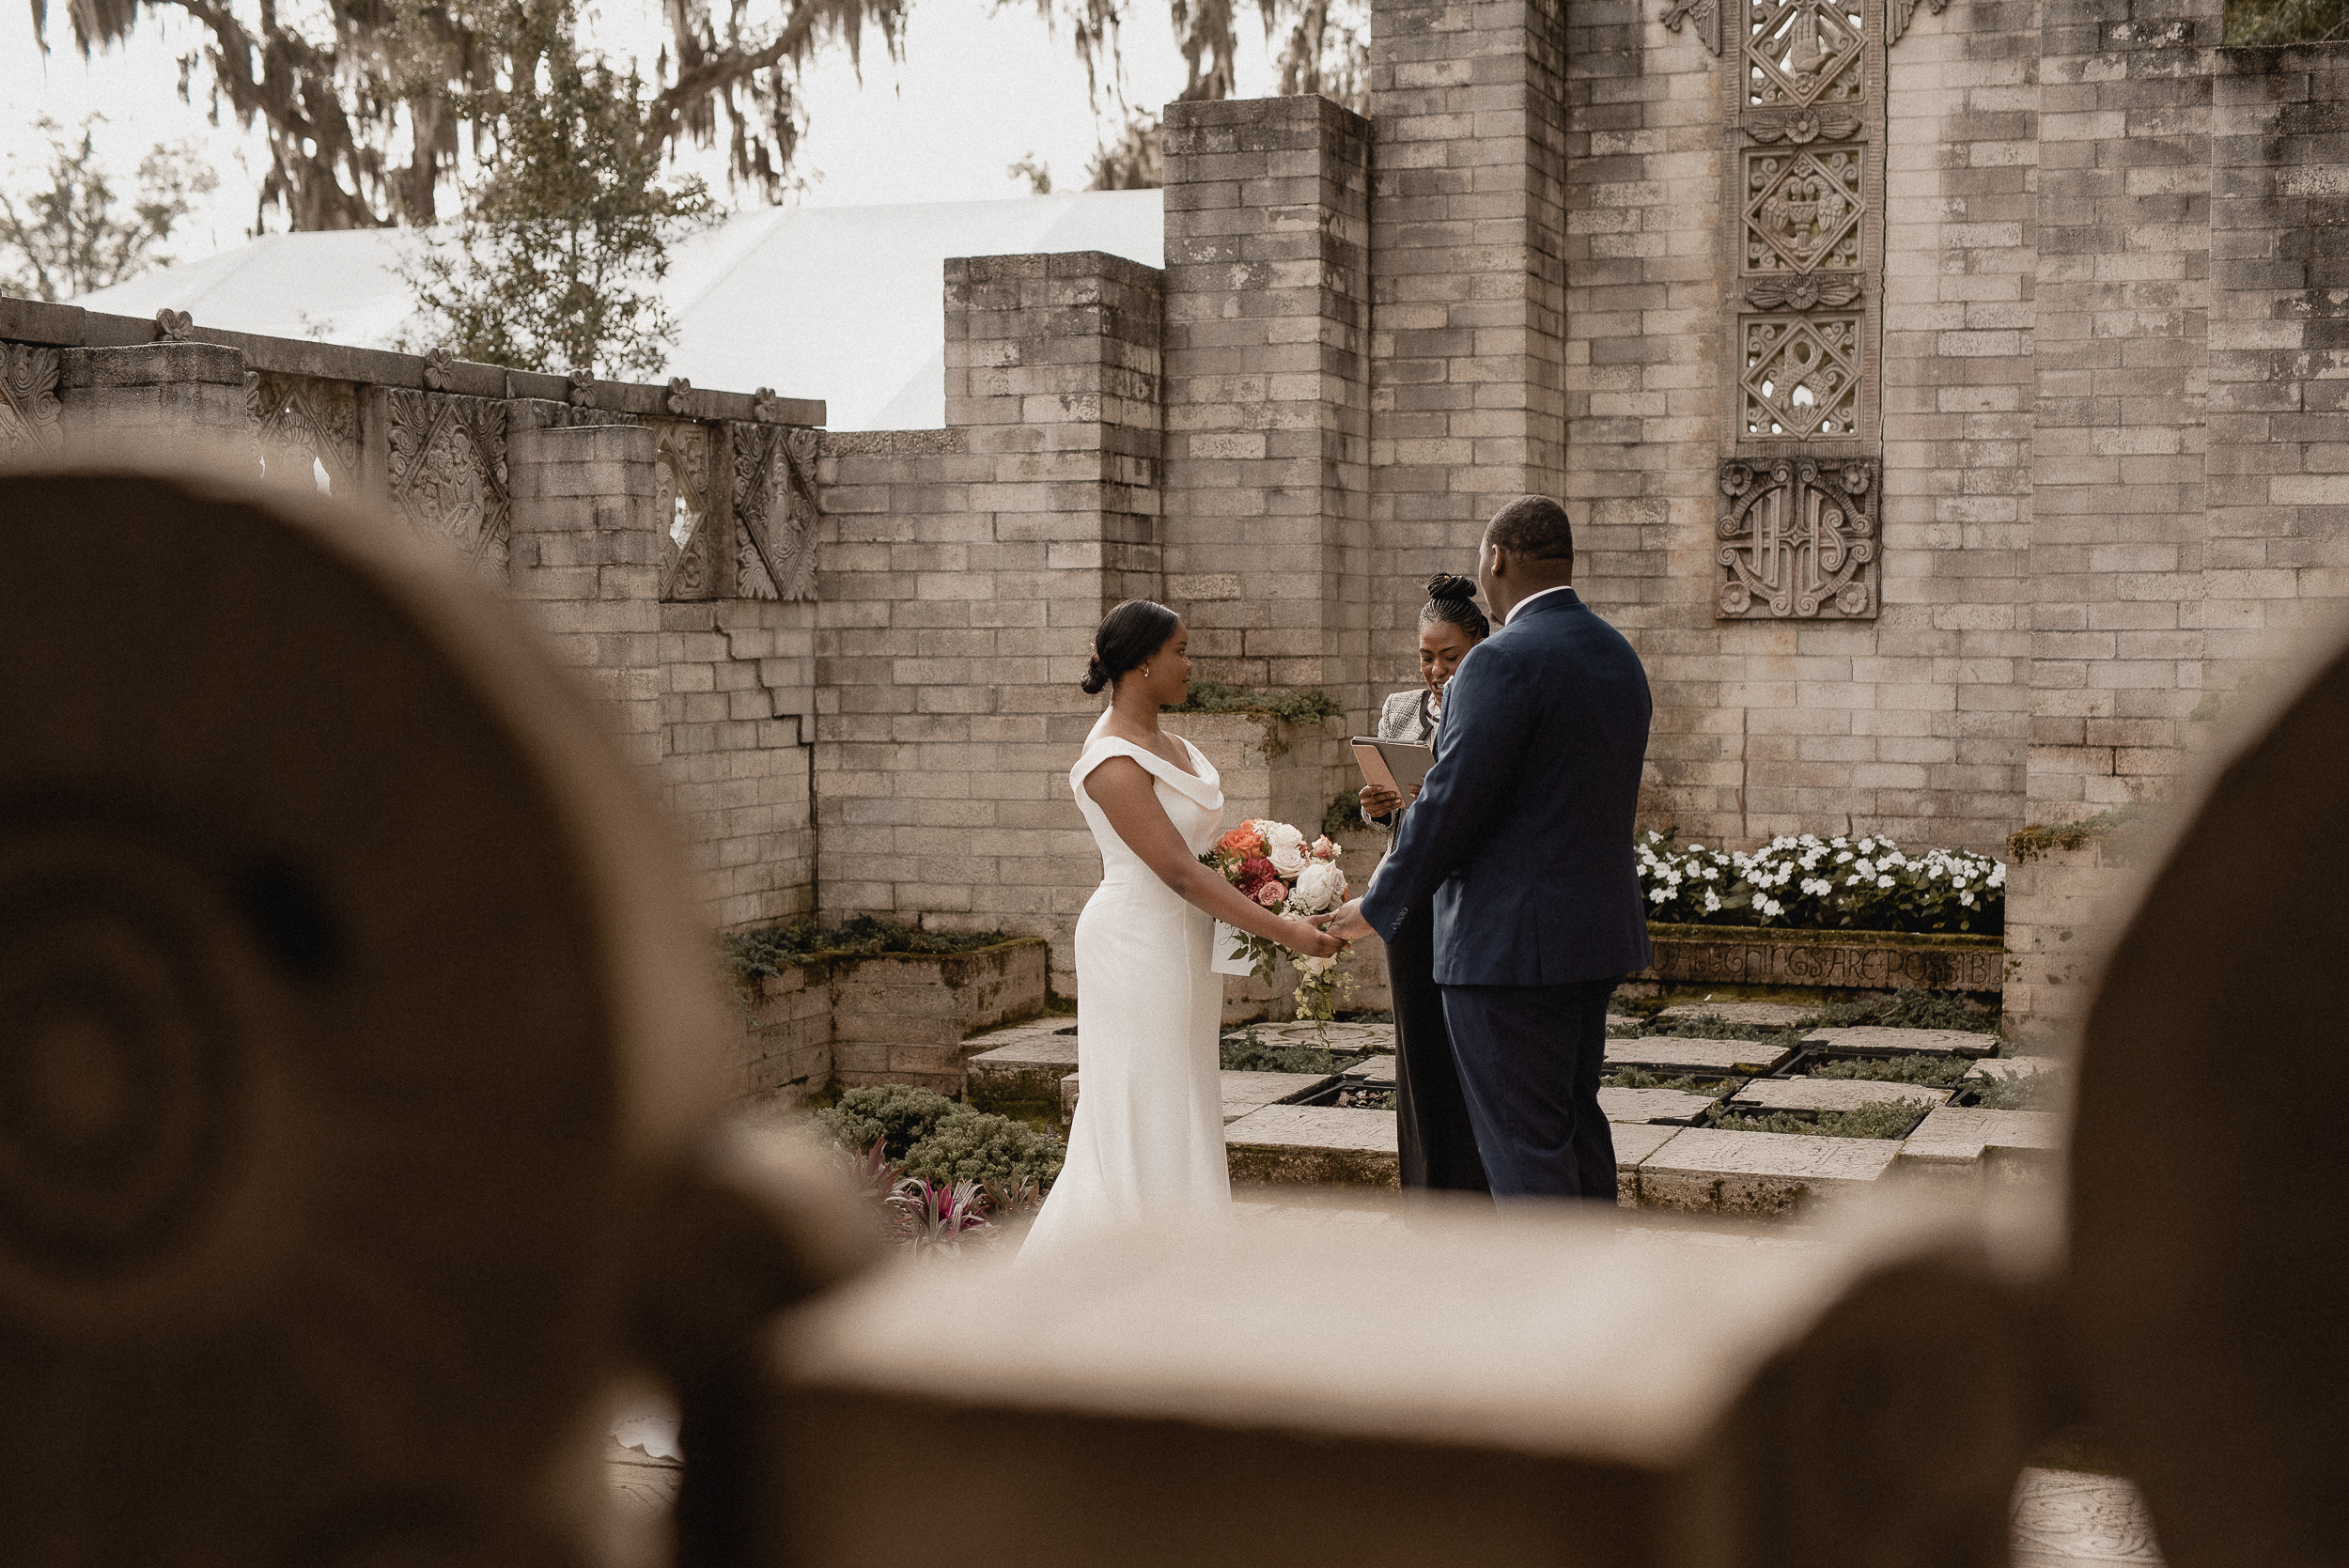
(1452, 599)
(1129, 635)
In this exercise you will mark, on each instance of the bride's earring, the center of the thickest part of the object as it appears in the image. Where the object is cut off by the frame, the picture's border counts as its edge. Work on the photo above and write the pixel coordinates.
(1145, 672)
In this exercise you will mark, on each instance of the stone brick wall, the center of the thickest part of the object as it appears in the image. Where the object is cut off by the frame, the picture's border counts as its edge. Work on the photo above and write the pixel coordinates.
(1267, 397)
(962, 574)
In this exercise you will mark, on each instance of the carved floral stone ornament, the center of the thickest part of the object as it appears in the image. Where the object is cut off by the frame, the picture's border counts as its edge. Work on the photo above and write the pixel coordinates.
(171, 326)
(437, 365)
(1833, 289)
(580, 389)
(1801, 126)
(765, 406)
(28, 401)
(1797, 540)
(681, 395)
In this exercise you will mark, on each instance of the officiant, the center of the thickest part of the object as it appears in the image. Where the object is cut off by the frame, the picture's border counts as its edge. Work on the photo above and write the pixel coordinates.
(1437, 1144)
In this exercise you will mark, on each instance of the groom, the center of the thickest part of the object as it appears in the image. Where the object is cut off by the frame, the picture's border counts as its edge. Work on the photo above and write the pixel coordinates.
(1523, 831)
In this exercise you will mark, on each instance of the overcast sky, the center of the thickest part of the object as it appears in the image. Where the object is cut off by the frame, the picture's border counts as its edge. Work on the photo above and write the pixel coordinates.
(979, 89)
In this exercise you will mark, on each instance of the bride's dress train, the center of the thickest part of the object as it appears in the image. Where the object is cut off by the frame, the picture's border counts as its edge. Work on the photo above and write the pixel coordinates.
(1147, 1141)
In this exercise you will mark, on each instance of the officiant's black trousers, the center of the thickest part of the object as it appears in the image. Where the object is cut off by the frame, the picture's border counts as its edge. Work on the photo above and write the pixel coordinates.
(1432, 1130)
(1530, 1059)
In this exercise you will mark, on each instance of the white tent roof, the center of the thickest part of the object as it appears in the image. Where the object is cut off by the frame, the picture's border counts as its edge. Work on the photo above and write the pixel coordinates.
(838, 303)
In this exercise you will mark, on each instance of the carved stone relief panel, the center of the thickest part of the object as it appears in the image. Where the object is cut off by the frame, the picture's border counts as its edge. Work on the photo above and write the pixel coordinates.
(1797, 539)
(28, 401)
(691, 548)
(448, 471)
(308, 430)
(774, 501)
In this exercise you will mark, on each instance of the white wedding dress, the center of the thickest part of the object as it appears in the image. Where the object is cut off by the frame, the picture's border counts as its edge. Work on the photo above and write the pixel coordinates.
(1147, 1141)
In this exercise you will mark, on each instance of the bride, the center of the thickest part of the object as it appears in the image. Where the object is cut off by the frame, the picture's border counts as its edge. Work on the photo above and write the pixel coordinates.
(1147, 1140)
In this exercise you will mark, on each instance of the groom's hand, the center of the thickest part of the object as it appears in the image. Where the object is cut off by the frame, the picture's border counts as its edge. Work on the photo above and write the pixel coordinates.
(1347, 924)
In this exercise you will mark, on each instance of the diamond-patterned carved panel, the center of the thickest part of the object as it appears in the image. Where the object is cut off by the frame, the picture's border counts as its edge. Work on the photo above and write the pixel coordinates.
(448, 473)
(690, 548)
(1803, 51)
(1804, 210)
(1802, 377)
(1797, 539)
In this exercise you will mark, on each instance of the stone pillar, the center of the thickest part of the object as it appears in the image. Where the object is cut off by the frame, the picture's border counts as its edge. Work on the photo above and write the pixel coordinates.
(158, 399)
(1467, 281)
(1267, 416)
(2121, 302)
(964, 572)
(586, 562)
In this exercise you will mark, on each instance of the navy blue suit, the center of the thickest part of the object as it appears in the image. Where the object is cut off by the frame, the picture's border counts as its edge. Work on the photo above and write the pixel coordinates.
(1523, 833)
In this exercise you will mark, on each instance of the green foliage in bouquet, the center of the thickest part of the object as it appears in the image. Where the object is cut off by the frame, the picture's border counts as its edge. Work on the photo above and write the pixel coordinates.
(1864, 884)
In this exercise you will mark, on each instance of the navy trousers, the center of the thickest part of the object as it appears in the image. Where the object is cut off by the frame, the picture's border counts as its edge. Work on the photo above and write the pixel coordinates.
(1530, 1059)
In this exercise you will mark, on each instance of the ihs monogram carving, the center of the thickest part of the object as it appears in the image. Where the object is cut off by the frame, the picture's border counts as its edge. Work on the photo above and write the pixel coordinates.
(1797, 539)
(448, 471)
(28, 401)
(302, 423)
(682, 470)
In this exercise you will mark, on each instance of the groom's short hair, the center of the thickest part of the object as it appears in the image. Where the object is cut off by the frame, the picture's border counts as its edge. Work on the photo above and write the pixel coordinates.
(1534, 526)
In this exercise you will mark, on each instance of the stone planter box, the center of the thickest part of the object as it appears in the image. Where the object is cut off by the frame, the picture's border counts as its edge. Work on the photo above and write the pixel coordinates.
(889, 1018)
(1750, 960)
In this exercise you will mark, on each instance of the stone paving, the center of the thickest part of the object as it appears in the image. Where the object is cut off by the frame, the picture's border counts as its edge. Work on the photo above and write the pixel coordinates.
(1668, 1053)
(1828, 1094)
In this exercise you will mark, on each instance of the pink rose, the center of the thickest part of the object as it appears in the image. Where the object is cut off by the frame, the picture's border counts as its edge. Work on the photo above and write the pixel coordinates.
(1273, 894)
(1324, 850)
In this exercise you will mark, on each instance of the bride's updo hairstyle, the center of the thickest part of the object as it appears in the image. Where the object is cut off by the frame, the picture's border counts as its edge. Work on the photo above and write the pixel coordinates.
(1129, 635)
(1452, 599)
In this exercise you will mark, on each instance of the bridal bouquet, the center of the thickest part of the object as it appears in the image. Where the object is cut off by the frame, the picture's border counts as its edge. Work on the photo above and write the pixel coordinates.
(1271, 862)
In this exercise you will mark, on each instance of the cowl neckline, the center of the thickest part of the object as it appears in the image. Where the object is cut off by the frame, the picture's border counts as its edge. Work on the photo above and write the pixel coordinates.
(1205, 787)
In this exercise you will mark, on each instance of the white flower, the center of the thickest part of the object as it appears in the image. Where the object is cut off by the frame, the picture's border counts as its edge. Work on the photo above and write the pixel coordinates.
(1290, 858)
(1770, 907)
(1696, 849)
(1867, 847)
(1864, 867)
(1309, 967)
(1967, 899)
(1280, 836)
(1320, 886)
(1712, 900)
(1842, 857)
(1998, 873)
(1884, 881)
(1659, 895)
(1817, 886)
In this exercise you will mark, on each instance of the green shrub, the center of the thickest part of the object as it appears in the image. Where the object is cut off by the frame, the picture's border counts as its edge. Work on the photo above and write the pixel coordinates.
(1934, 1070)
(1639, 1078)
(1309, 707)
(1885, 1119)
(1344, 813)
(897, 1115)
(996, 1151)
(1248, 1054)
(2014, 1091)
(1911, 1007)
(770, 949)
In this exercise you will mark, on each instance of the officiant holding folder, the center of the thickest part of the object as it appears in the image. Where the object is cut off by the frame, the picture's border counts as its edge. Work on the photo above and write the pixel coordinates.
(1437, 1144)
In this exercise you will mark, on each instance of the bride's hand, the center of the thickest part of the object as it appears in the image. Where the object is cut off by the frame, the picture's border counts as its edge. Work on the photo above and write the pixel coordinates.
(1312, 941)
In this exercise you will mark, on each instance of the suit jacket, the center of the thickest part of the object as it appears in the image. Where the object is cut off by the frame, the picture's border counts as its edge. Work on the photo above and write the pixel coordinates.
(1523, 829)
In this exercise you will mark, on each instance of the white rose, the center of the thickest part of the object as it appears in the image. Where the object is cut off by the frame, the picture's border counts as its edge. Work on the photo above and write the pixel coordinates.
(1290, 858)
(1309, 967)
(1320, 886)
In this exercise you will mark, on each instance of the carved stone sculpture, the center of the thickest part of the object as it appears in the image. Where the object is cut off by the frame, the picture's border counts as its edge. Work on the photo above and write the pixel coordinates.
(171, 326)
(28, 401)
(355, 1059)
(1797, 539)
(302, 422)
(449, 473)
(774, 503)
(691, 543)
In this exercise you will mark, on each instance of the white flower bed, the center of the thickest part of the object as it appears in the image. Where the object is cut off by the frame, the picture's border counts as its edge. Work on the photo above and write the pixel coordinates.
(1807, 882)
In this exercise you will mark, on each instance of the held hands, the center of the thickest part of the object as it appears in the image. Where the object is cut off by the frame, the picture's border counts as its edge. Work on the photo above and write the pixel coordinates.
(1311, 939)
(1378, 800)
(1347, 923)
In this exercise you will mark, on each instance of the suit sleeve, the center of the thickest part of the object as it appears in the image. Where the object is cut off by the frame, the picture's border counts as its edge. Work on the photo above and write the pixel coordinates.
(1488, 719)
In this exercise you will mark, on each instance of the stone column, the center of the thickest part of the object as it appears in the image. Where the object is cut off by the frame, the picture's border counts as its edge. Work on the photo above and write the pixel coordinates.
(1467, 280)
(586, 562)
(964, 572)
(1267, 416)
(158, 399)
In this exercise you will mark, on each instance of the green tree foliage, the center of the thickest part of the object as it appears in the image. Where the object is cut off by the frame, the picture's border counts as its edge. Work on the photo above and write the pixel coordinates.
(566, 235)
(69, 230)
(367, 104)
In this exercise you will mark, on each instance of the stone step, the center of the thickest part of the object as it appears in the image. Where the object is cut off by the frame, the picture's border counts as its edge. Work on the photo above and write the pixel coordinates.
(1020, 1070)
(1828, 1094)
(2011, 1067)
(1664, 1053)
(1752, 1173)
(1966, 1143)
(1244, 1093)
(1880, 1040)
(1759, 1014)
(1667, 1107)
(1319, 1143)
